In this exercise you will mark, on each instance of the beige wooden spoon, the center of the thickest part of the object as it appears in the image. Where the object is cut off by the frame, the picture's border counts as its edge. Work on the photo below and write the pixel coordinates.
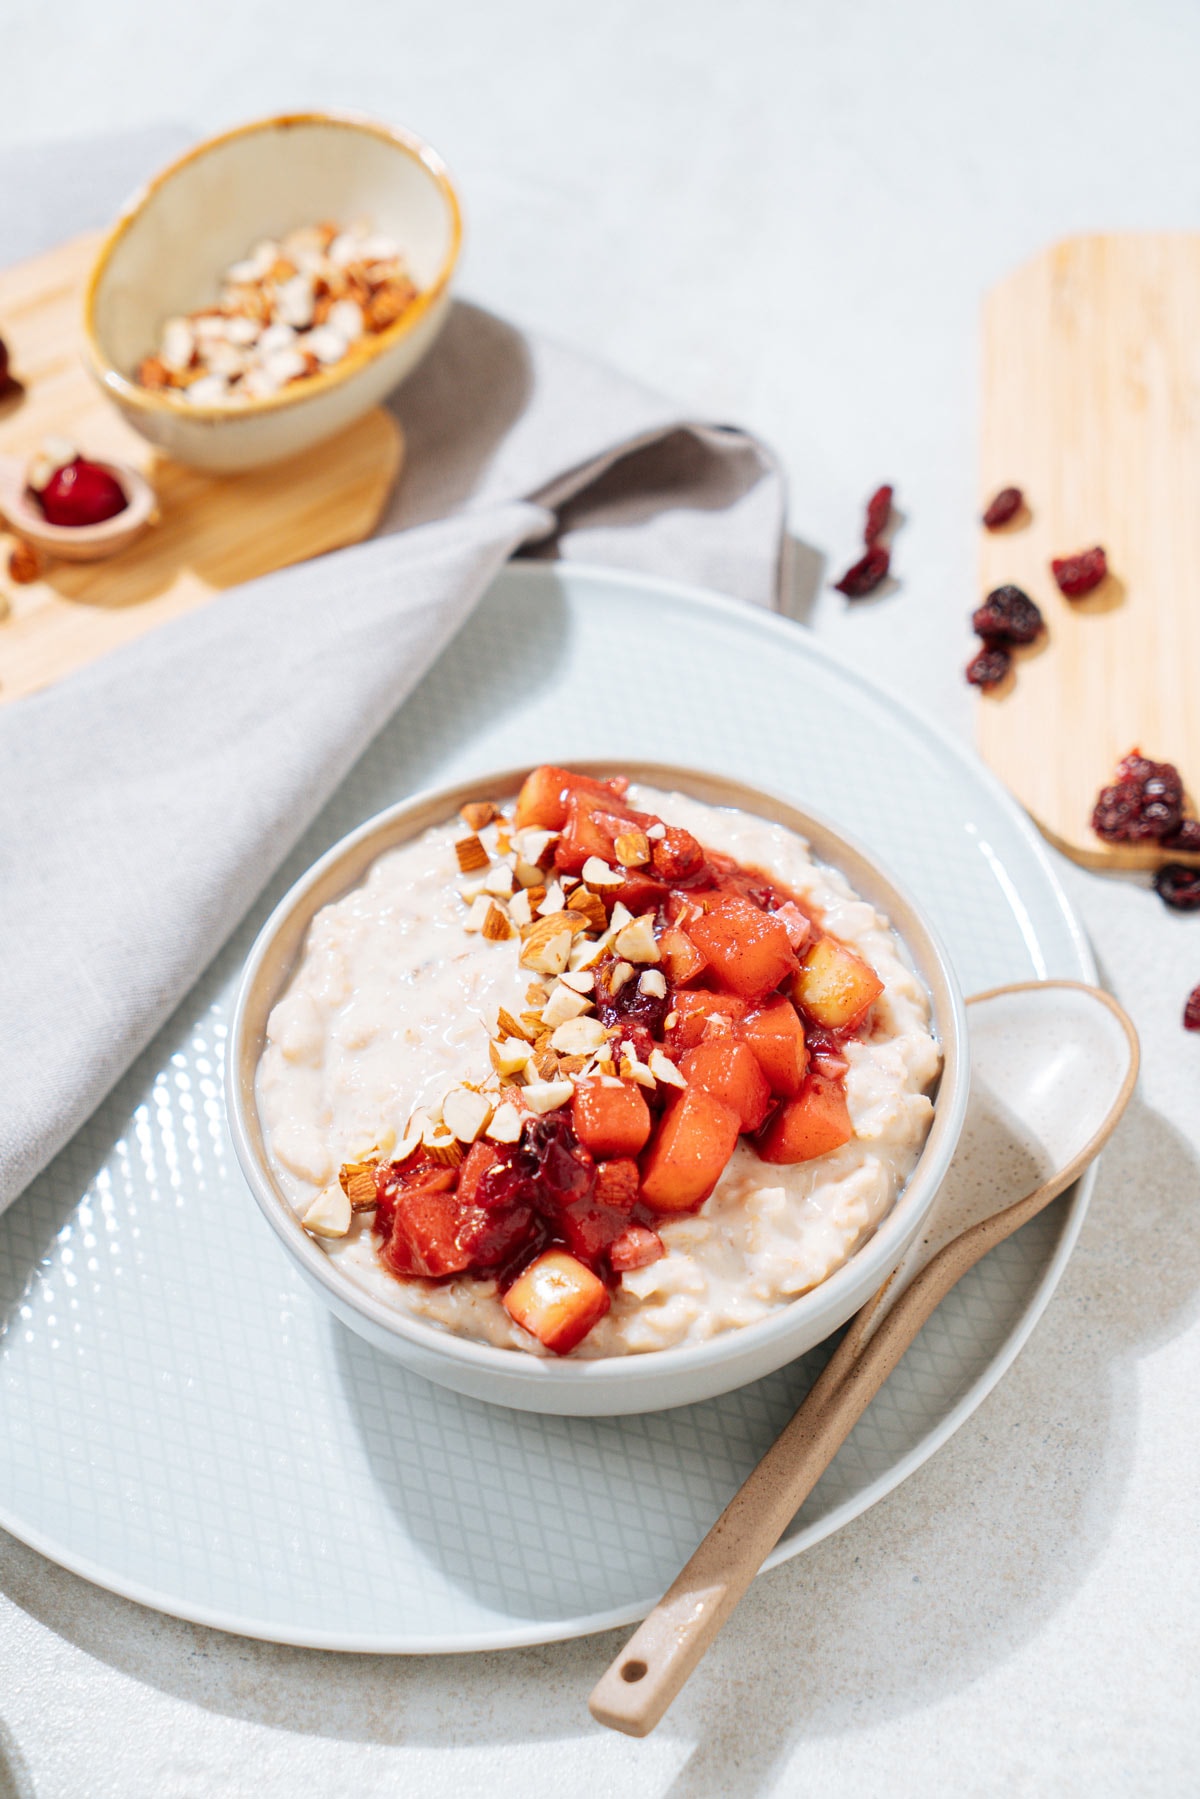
(1053, 1064)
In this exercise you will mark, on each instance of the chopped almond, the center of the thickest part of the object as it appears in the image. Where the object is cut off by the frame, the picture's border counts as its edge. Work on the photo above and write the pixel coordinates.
(589, 906)
(507, 1025)
(496, 927)
(546, 945)
(478, 813)
(471, 854)
(632, 849)
(329, 1214)
(357, 1181)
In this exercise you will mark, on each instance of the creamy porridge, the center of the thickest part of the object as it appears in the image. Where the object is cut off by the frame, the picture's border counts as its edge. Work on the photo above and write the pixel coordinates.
(395, 1001)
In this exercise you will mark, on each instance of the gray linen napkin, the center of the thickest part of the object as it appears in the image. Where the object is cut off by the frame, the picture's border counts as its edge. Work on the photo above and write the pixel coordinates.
(146, 801)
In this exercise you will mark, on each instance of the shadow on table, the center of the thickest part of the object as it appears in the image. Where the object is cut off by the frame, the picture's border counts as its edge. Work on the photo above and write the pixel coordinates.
(941, 1581)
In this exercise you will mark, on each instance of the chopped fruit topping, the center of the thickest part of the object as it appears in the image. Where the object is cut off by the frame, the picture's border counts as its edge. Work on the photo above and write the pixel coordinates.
(636, 1247)
(1178, 886)
(836, 987)
(693, 1141)
(1008, 616)
(1191, 1012)
(864, 576)
(1077, 575)
(81, 493)
(728, 1070)
(748, 949)
(557, 1300)
(879, 512)
(988, 667)
(329, 1214)
(812, 1124)
(1144, 801)
(542, 801)
(622, 1090)
(775, 1036)
(1005, 507)
(694, 1014)
(610, 1118)
(682, 962)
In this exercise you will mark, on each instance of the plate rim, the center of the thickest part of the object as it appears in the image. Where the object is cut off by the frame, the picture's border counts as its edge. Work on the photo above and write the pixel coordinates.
(1076, 1200)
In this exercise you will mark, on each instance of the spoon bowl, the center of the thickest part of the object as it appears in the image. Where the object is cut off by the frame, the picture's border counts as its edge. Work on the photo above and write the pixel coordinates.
(76, 543)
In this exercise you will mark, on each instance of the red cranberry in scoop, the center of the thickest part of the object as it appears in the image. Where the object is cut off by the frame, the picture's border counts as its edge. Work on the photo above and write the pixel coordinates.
(81, 493)
(1077, 575)
(1006, 505)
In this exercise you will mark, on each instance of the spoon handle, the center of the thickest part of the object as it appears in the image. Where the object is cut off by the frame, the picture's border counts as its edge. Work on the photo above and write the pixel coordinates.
(636, 1690)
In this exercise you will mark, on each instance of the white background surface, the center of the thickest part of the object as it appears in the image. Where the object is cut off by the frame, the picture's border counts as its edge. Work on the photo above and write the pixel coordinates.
(784, 215)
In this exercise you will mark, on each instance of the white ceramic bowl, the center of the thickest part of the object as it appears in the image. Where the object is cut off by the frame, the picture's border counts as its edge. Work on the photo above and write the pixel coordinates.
(166, 254)
(607, 1385)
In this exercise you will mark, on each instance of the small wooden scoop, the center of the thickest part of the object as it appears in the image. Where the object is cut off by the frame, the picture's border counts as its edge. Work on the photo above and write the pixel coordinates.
(1053, 1064)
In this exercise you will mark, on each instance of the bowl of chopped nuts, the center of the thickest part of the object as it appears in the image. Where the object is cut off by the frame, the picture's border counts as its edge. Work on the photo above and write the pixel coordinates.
(595, 1090)
(271, 285)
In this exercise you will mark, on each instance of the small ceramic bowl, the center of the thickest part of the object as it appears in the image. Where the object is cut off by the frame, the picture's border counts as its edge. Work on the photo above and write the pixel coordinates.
(76, 543)
(610, 1385)
(166, 254)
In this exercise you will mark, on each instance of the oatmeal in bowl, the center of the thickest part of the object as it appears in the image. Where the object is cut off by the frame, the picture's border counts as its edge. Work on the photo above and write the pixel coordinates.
(596, 1091)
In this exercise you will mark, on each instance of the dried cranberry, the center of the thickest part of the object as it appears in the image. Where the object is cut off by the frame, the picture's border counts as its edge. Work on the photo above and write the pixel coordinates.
(81, 493)
(1077, 575)
(1008, 616)
(1145, 801)
(866, 574)
(629, 1005)
(1178, 886)
(1006, 505)
(1191, 1012)
(1187, 837)
(989, 666)
(879, 511)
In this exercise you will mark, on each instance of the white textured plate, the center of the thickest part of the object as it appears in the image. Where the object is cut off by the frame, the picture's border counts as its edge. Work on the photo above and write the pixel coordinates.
(187, 1426)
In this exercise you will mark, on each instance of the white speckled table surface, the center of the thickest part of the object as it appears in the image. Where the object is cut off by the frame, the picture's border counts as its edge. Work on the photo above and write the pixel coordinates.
(785, 215)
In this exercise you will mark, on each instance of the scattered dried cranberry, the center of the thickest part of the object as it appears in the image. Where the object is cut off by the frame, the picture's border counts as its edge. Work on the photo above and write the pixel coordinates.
(1006, 505)
(989, 667)
(1077, 575)
(81, 493)
(866, 574)
(1187, 837)
(879, 511)
(1145, 801)
(1178, 886)
(1008, 616)
(1191, 1012)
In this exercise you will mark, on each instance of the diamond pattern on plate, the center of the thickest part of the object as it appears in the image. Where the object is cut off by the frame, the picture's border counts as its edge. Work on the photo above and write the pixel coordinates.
(187, 1424)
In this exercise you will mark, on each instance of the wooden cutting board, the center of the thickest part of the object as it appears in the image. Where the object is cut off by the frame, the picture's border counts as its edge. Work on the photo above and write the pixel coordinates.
(214, 531)
(1091, 405)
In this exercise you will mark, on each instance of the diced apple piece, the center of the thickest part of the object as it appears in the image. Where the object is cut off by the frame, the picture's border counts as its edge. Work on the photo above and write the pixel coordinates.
(618, 1184)
(480, 1158)
(776, 1036)
(748, 949)
(682, 962)
(636, 1247)
(424, 1239)
(834, 986)
(542, 801)
(692, 1012)
(557, 1300)
(813, 1123)
(610, 1121)
(726, 1069)
(638, 892)
(694, 1140)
